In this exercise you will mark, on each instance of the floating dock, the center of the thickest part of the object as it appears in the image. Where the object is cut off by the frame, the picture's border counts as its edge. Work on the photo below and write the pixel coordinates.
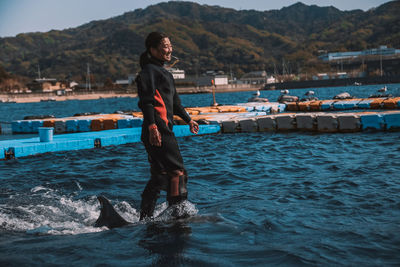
(76, 141)
(315, 122)
(323, 116)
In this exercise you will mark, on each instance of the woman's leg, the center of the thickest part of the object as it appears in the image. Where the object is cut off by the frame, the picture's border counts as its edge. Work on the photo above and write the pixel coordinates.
(177, 187)
(151, 193)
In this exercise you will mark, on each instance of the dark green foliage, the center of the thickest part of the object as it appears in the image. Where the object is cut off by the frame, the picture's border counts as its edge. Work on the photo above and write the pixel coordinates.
(3, 74)
(204, 38)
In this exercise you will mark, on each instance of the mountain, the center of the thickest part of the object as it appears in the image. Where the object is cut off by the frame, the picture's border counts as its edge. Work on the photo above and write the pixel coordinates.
(204, 38)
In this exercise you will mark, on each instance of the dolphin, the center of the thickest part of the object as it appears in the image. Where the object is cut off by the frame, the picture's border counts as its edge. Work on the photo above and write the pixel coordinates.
(108, 216)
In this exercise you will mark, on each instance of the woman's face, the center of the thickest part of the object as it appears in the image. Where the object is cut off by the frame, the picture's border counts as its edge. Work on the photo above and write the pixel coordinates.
(163, 51)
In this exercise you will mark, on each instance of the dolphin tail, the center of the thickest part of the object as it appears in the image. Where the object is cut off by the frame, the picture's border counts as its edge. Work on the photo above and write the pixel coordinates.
(108, 216)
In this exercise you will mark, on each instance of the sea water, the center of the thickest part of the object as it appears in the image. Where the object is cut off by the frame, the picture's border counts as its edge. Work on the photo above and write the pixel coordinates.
(254, 198)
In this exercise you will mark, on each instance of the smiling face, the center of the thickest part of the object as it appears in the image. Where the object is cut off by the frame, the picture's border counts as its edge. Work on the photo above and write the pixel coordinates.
(164, 51)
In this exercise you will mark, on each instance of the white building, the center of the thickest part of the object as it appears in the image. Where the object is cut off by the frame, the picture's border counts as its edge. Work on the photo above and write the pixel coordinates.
(255, 77)
(209, 80)
(220, 79)
(382, 50)
(177, 73)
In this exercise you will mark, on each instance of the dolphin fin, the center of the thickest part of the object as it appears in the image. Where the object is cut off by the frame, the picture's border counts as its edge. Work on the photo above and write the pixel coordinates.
(108, 216)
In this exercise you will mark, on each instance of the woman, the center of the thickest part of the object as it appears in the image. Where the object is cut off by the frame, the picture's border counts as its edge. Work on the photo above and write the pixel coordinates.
(159, 101)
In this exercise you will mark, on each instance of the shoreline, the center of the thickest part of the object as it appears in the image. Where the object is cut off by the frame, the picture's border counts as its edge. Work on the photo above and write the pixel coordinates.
(51, 96)
(24, 98)
(93, 95)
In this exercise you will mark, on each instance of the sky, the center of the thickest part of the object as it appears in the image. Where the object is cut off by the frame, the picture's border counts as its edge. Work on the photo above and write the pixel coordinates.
(21, 16)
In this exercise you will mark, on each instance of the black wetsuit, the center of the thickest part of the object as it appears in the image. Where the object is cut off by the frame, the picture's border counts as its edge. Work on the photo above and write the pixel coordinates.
(159, 102)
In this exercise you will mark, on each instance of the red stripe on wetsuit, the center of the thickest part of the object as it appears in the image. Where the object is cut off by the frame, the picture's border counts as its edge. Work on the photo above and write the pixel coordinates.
(160, 107)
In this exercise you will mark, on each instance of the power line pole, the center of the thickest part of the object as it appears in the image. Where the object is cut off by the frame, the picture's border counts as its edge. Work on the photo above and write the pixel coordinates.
(380, 53)
(88, 85)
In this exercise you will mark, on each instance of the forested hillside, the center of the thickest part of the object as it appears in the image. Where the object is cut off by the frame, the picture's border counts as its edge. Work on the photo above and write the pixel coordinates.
(204, 38)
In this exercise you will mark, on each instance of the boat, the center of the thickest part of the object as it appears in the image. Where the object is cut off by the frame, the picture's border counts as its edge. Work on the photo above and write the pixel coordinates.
(50, 99)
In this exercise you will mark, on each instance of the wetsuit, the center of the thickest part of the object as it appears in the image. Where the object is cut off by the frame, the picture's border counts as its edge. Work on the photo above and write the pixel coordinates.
(159, 101)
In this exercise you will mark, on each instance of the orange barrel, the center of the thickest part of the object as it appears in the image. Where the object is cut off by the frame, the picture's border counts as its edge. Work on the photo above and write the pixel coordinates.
(304, 106)
(292, 106)
(96, 125)
(109, 124)
(391, 103)
(377, 103)
(48, 123)
(137, 114)
(315, 105)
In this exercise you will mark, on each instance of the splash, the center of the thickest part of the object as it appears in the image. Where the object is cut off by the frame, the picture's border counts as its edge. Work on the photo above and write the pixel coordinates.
(45, 211)
(182, 210)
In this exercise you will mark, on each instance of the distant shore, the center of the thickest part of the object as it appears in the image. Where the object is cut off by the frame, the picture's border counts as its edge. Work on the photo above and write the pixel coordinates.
(333, 82)
(43, 97)
(92, 95)
(31, 98)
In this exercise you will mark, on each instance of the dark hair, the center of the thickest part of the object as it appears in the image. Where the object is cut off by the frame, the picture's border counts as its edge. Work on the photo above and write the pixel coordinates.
(153, 40)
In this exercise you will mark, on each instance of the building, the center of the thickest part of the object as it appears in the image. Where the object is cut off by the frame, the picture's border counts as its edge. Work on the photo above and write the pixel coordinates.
(208, 80)
(326, 76)
(382, 50)
(46, 85)
(254, 77)
(126, 82)
(177, 73)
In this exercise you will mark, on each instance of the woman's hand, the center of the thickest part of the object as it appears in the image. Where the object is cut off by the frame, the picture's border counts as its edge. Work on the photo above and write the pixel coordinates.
(194, 126)
(155, 135)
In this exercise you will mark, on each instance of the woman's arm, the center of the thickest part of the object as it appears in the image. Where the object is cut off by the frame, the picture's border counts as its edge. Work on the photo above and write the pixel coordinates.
(146, 89)
(181, 112)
